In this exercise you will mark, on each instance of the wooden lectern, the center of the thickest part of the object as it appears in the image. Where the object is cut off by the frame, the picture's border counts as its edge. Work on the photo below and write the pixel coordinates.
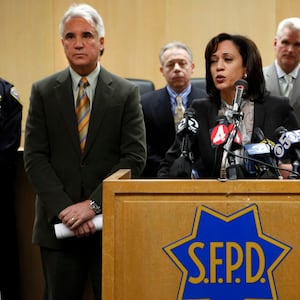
(198, 239)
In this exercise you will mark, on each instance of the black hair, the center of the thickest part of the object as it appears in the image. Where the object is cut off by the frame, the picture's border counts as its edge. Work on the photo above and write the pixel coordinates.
(251, 61)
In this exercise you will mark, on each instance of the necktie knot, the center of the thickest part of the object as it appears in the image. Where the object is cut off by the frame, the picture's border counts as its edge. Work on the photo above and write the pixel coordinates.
(288, 78)
(83, 82)
(179, 101)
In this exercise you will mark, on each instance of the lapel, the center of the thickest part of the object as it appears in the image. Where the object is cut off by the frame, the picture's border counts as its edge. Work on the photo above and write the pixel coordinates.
(101, 102)
(272, 79)
(161, 113)
(65, 104)
(296, 90)
(162, 109)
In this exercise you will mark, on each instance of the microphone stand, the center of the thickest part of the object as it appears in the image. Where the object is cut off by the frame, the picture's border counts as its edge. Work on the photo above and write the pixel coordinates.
(295, 164)
(232, 169)
(240, 87)
(295, 174)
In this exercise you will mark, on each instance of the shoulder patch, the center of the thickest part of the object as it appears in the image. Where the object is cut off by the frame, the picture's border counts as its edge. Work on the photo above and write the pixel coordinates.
(15, 94)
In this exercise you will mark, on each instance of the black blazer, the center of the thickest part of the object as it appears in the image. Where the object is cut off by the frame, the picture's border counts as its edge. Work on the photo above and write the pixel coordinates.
(272, 113)
(159, 122)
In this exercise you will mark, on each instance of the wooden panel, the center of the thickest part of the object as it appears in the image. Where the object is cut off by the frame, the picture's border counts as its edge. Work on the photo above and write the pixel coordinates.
(32, 283)
(135, 32)
(141, 217)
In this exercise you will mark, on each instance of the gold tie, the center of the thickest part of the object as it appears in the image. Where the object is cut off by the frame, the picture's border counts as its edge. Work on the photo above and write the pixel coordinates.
(83, 111)
(179, 111)
(289, 85)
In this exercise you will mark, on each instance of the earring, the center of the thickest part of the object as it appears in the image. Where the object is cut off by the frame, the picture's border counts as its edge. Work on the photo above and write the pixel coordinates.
(245, 76)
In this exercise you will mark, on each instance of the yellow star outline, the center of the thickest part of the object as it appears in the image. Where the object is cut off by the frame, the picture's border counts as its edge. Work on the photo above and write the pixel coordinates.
(168, 249)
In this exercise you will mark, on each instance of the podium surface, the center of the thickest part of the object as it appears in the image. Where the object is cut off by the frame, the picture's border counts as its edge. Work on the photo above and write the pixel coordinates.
(200, 239)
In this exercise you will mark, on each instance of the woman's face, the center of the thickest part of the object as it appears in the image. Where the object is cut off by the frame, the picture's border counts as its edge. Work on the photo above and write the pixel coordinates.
(226, 68)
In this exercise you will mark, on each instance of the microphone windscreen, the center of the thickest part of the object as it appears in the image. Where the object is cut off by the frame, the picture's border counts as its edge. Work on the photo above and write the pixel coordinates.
(258, 135)
(189, 124)
(257, 151)
(279, 132)
(243, 83)
(190, 112)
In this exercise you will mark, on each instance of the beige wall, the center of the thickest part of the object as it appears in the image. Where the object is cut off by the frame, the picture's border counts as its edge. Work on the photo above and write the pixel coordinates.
(135, 32)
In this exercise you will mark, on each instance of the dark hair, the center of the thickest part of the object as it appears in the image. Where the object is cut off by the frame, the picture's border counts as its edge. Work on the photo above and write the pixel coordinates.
(251, 60)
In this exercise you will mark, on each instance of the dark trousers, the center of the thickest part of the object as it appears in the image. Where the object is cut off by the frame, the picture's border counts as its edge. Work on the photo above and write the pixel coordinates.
(67, 271)
(9, 261)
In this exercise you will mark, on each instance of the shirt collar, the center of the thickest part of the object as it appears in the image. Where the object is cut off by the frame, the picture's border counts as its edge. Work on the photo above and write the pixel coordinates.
(184, 94)
(92, 77)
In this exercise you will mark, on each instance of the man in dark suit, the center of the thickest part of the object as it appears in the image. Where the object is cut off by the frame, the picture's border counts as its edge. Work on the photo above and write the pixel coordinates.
(177, 67)
(287, 50)
(66, 177)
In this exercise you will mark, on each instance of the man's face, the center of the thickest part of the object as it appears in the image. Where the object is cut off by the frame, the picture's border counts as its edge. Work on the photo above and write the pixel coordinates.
(81, 45)
(287, 50)
(177, 68)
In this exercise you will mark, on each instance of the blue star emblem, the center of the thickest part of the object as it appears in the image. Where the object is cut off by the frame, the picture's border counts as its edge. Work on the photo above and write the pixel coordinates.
(227, 256)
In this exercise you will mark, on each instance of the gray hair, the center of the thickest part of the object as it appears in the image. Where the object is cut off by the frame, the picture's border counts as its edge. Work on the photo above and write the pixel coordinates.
(178, 45)
(86, 12)
(291, 23)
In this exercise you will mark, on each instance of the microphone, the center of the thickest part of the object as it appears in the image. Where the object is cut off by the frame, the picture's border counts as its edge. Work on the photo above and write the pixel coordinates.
(258, 135)
(287, 146)
(220, 133)
(241, 87)
(259, 156)
(234, 137)
(258, 152)
(187, 128)
(189, 124)
(287, 142)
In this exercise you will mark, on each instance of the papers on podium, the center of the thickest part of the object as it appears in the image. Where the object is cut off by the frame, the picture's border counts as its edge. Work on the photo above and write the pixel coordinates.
(62, 231)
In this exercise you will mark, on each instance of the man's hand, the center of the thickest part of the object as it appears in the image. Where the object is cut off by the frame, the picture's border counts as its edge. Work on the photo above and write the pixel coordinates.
(77, 217)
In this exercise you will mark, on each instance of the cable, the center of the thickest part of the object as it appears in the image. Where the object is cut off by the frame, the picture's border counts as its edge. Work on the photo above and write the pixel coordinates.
(263, 163)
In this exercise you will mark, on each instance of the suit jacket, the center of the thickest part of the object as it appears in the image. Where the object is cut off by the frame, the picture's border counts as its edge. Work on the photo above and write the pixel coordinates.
(159, 122)
(60, 173)
(272, 84)
(268, 116)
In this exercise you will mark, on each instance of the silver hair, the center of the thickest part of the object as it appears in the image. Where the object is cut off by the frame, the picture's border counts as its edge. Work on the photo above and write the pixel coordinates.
(291, 23)
(178, 45)
(86, 12)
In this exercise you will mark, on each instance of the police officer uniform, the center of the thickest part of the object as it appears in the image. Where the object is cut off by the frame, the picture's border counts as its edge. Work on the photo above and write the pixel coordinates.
(10, 136)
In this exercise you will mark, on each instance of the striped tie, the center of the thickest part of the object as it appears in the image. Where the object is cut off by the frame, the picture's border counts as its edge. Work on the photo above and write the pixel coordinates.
(83, 111)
